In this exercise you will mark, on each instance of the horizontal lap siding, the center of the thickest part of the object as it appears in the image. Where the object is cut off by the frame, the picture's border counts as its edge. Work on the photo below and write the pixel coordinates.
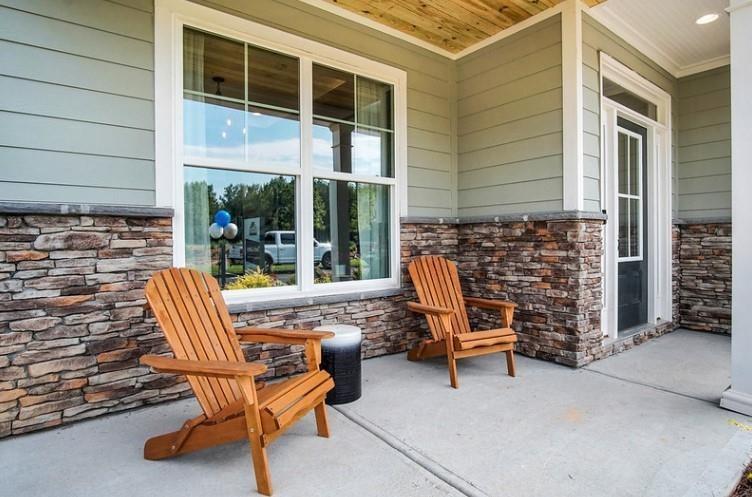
(80, 75)
(431, 152)
(597, 38)
(509, 124)
(77, 101)
(705, 145)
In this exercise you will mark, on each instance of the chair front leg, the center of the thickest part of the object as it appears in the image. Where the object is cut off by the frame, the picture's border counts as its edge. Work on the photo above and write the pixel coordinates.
(446, 323)
(253, 424)
(313, 358)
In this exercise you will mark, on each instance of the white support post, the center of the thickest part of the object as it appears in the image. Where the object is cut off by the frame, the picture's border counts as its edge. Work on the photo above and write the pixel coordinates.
(571, 62)
(739, 397)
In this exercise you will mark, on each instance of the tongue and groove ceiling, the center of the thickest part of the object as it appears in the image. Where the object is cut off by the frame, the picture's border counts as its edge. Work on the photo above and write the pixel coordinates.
(452, 25)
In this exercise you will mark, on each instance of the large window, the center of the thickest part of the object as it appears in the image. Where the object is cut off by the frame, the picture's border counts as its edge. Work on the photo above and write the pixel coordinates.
(288, 168)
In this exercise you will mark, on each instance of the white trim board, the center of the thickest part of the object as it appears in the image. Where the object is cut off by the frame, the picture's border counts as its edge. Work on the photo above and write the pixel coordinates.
(170, 17)
(572, 105)
(658, 194)
(614, 24)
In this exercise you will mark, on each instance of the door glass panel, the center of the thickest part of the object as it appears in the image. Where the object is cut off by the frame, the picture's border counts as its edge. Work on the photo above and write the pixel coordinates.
(623, 163)
(629, 166)
(623, 227)
(635, 236)
(634, 166)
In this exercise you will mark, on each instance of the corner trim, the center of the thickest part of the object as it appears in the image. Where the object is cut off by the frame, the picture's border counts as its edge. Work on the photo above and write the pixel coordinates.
(35, 208)
(573, 190)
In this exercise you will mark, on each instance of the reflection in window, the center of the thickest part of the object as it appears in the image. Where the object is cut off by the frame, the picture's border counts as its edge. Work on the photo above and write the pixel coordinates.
(220, 121)
(352, 123)
(213, 128)
(263, 208)
(351, 226)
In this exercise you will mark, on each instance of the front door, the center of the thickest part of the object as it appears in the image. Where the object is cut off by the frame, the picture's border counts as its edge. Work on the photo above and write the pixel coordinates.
(632, 163)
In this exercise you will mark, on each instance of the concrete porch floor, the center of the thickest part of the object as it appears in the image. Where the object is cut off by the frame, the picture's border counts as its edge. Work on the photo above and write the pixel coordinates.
(643, 423)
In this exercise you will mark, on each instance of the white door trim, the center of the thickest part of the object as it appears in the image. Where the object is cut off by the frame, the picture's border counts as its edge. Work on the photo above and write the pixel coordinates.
(658, 194)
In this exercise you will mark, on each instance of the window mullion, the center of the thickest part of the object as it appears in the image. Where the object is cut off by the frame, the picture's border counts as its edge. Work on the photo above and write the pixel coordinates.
(304, 209)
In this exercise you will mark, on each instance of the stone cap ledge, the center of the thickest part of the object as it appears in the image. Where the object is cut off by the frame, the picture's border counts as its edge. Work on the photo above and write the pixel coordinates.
(703, 220)
(509, 218)
(56, 209)
(268, 305)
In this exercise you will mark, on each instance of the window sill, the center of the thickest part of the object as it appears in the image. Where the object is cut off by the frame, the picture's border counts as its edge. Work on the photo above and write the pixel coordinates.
(283, 303)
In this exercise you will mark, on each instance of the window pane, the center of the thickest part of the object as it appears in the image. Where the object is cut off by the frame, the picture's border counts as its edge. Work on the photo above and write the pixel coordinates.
(372, 152)
(273, 138)
(623, 227)
(634, 166)
(343, 148)
(623, 165)
(272, 78)
(261, 205)
(628, 99)
(213, 65)
(351, 224)
(374, 103)
(213, 128)
(333, 93)
(635, 236)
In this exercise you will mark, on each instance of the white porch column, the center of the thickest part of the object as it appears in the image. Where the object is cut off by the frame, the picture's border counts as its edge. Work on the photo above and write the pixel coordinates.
(571, 69)
(739, 396)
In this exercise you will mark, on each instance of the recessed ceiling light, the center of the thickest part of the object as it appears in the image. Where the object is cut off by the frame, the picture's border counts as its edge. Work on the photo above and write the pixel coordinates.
(707, 18)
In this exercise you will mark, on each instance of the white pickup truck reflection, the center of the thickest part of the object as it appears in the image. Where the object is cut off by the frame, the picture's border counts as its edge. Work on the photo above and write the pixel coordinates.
(279, 248)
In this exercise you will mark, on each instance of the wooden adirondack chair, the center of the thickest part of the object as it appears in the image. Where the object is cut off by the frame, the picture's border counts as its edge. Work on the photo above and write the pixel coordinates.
(437, 284)
(190, 310)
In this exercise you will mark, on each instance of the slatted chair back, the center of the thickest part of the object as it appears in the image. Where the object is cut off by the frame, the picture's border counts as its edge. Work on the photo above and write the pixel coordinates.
(437, 283)
(190, 310)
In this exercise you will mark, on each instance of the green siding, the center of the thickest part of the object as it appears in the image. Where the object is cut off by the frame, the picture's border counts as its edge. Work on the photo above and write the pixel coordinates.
(509, 124)
(597, 38)
(77, 101)
(704, 177)
(80, 75)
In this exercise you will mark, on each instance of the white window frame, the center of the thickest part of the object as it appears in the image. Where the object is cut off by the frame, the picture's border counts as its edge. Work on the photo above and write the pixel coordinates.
(658, 195)
(638, 197)
(170, 18)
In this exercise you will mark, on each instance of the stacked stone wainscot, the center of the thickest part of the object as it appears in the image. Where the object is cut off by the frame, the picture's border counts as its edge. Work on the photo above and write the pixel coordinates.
(73, 322)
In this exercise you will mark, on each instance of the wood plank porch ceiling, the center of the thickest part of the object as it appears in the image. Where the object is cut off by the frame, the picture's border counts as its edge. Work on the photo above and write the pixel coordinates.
(453, 25)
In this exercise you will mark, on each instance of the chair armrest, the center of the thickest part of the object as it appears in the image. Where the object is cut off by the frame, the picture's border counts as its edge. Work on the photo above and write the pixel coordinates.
(216, 369)
(489, 303)
(276, 335)
(429, 309)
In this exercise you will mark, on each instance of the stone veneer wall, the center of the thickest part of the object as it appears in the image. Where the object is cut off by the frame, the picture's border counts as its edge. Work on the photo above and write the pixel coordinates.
(704, 296)
(552, 270)
(73, 323)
